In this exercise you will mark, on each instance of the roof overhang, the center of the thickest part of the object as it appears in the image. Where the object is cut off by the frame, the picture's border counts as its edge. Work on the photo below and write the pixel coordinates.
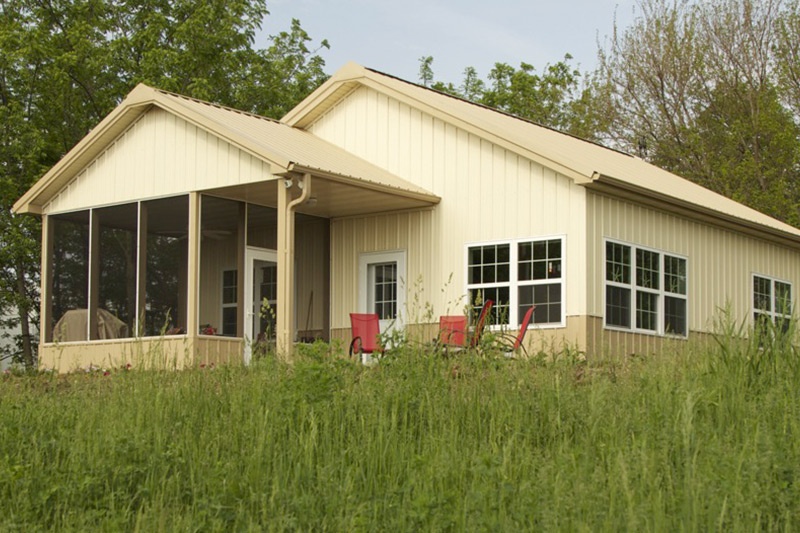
(364, 182)
(333, 196)
(621, 189)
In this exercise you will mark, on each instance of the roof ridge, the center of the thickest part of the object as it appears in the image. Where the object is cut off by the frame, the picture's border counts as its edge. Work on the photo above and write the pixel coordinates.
(500, 111)
(178, 96)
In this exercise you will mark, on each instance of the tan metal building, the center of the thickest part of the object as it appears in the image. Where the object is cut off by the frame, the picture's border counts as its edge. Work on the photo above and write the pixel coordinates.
(179, 218)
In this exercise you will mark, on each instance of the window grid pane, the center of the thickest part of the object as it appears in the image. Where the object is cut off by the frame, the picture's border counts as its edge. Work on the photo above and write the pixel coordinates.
(489, 264)
(762, 294)
(229, 285)
(546, 298)
(539, 260)
(647, 269)
(500, 310)
(386, 290)
(674, 316)
(783, 298)
(646, 310)
(674, 274)
(618, 263)
(618, 306)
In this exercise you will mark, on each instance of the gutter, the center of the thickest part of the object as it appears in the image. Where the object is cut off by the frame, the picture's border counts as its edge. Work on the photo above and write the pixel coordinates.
(612, 186)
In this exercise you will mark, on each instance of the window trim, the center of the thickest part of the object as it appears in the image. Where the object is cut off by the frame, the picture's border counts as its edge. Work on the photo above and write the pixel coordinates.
(773, 314)
(661, 292)
(514, 283)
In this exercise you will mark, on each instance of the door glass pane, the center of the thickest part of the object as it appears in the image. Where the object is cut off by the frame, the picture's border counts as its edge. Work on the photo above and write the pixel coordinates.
(266, 302)
(384, 290)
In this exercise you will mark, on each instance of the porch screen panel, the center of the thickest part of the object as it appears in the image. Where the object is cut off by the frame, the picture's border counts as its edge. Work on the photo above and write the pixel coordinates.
(262, 226)
(117, 260)
(167, 266)
(219, 223)
(69, 265)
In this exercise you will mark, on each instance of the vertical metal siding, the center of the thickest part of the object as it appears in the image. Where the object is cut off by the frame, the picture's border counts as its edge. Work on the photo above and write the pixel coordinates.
(720, 261)
(488, 193)
(158, 155)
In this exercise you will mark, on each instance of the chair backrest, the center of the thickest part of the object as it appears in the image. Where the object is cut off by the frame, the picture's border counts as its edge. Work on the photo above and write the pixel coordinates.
(366, 327)
(523, 328)
(481, 324)
(452, 330)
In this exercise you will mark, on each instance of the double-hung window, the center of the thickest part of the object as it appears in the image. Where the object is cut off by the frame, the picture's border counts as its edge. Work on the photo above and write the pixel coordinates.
(516, 275)
(229, 302)
(646, 290)
(772, 302)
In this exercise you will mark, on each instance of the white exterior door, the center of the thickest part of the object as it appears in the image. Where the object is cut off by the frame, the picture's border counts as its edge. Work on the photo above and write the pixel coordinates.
(260, 286)
(382, 287)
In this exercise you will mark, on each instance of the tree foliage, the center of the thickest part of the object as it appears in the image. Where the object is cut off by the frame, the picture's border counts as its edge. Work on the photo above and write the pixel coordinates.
(65, 65)
(559, 97)
(709, 90)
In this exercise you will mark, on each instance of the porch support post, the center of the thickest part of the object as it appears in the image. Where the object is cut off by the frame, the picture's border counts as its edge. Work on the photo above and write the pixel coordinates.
(141, 272)
(241, 244)
(286, 206)
(94, 274)
(193, 276)
(46, 293)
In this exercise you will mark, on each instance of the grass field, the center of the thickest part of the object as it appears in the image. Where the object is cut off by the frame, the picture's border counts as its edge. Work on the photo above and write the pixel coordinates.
(698, 440)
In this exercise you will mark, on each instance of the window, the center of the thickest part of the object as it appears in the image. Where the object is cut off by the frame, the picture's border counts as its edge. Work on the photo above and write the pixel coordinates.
(384, 285)
(772, 302)
(229, 301)
(646, 290)
(516, 275)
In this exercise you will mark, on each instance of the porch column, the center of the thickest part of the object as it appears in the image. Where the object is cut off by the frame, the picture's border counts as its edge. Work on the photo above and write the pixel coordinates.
(193, 276)
(46, 293)
(284, 335)
(94, 274)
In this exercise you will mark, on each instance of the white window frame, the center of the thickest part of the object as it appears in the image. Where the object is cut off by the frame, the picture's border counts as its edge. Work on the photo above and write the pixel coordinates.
(228, 305)
(514, 284)
(771, 312)
(661, 293)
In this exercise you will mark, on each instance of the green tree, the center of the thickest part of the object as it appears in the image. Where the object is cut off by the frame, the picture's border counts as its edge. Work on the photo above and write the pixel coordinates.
(558, 97)
(65, 65)
(708, 90)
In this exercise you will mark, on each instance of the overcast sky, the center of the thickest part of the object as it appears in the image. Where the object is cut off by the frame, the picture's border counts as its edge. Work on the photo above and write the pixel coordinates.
(391, 35)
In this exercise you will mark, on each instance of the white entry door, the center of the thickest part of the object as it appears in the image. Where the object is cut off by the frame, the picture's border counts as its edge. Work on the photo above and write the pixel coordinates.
(260, 296)
(382, 287)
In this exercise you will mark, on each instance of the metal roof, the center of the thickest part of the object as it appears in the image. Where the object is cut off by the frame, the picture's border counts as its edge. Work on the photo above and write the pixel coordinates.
(588, 163)
(285, 148)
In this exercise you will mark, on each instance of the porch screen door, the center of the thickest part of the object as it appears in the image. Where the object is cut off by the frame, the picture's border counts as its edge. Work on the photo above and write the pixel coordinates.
(382, 287)
(261, 287)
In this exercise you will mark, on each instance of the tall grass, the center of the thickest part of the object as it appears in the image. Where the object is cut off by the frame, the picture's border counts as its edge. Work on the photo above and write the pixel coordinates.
(698, 440)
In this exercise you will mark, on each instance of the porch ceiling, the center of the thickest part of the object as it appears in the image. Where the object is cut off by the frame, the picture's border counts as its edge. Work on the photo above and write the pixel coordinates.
(332, 197)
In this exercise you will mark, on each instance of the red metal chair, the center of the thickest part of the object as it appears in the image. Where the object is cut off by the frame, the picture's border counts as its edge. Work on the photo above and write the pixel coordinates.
(366, 332)
(453, 331)
(523, 329)
(481, 323)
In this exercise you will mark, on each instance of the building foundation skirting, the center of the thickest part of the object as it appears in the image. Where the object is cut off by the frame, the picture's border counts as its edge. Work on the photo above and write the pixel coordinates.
(151, 353)
(583, 334)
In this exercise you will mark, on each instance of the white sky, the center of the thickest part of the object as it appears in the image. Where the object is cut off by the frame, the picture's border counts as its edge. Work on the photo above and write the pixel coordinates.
(391, 35)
